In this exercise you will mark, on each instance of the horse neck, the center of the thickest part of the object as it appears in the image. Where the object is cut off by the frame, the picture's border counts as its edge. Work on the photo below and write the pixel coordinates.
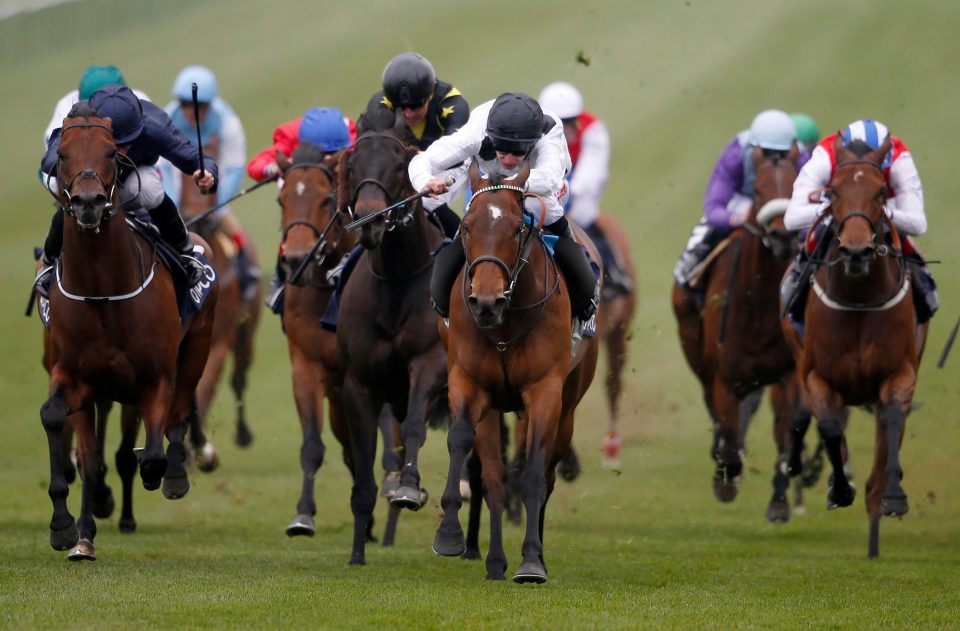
(760, 270)
(406, 249)
(880, 283)
(94, 263)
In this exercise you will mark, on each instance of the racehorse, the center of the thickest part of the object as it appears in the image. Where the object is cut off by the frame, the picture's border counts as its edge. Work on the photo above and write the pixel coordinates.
(115, 333)
(388, 345)
(234, 324)
(862, 344)
(510, 350)
(733, 340)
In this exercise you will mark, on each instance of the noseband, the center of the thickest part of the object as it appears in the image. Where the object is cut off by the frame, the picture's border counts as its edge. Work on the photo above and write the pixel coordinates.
(109, 189)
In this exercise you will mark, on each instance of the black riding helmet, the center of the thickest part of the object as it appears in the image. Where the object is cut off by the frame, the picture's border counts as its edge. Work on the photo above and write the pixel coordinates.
(409, 80)
(515, 123)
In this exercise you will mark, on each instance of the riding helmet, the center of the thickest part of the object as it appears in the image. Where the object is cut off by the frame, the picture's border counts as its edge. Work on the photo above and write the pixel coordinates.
(325, 128)
(409, 80)
(563, 99)
(206, 81)
(95, 77)
(772, 129)
(122, 107)
(807, 131)
(515, 122)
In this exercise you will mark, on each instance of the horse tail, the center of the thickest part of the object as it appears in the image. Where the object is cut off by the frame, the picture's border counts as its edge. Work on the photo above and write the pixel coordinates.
(438, 415)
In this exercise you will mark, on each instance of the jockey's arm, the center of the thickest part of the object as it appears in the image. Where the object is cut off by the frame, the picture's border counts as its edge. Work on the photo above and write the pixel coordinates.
(549, 162)
(805, 205)
(905, 209)
(725, 180)
(231, 158)
(590, 176)
(449, 151)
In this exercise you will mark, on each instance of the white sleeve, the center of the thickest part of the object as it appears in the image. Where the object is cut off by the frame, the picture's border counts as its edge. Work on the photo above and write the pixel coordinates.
(906, 208)
(815, 174)
(60, 112)
(449, 151)
(590, 176)
(549, 162)
(233, 144)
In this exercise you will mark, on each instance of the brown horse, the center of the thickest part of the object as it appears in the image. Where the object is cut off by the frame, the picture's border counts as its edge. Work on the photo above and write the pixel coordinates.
(733, 341)
(115, 334)
(510, 350)
(862, 344)
(234, 324)
(388, 346)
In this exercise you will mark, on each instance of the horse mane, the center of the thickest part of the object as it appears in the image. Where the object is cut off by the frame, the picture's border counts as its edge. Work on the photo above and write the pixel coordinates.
(308, 153)
(859, 148)
(82, 109)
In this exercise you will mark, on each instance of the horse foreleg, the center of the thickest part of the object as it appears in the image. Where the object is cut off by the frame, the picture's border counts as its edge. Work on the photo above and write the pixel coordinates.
(490, 455)
(778, 511)
(542, 402)
(515, 470)
(90, 462)
(103, 502)
(726, 442)
(392, 458)
(203, 450)
(475, 481)
(126, 461)
(829, 409)
(361, 405)
(309, 390)
(53, 416)
(242, 358)
(616, 359)
(155, 410)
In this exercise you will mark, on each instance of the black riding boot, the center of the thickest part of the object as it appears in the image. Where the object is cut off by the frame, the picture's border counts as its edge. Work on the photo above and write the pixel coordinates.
(449, 220)
(450, 260)
(172, 230)
(52, 246)
(278, 281)
(693, 257)
(615, 280)
(581, 280)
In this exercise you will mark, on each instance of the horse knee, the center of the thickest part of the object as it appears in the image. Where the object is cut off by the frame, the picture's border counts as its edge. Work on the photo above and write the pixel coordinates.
(460, 436)
(126, 461)
(830, 427)
(53, 414)
(311, 454)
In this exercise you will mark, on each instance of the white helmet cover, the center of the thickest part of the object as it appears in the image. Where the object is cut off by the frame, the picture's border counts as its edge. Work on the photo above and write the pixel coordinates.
(773, 129)
(562, 99)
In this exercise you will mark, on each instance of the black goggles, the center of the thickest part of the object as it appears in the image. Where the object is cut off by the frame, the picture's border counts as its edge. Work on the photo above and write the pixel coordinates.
(514, 149)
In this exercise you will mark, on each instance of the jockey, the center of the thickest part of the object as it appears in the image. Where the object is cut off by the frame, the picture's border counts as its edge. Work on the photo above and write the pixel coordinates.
(589, 145)
(93, 78)
(503, 136)
(904, 207)
(430, 108)
(143, 133)
(325, 127)
(807, 131)
(729, 195)
(217, 120)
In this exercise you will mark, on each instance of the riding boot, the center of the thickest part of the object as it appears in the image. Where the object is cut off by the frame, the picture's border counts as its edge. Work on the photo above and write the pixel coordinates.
(702, 242)
(449, 220)
(278, 281)
(615, 280)
(247, 273)
(449, 261)
(172, 230)
(579, 274)
(926, 300)
(52, 246)
(795, 284)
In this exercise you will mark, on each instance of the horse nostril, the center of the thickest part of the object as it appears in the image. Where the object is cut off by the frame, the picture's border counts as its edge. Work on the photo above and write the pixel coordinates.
(499, 304)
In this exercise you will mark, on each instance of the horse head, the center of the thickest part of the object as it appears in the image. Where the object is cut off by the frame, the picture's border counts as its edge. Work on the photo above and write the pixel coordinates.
(87, 168)
(373, 175)
(858, 192)
(495, 240)
(772, 189)
(309, 213)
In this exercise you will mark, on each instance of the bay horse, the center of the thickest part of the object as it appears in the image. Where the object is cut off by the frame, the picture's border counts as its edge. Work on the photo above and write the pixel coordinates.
(510, 350)
(115, 333)
(733, 340)
(862, 343)
(234, 325)
(388, 345)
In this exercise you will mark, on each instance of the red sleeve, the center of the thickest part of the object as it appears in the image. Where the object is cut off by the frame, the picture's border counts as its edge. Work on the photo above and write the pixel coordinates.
(352, 126)
(285, 140)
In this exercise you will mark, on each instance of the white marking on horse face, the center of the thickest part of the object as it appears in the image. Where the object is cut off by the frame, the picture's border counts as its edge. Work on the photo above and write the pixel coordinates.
(301, 187)
(495, 212)
(857, 176)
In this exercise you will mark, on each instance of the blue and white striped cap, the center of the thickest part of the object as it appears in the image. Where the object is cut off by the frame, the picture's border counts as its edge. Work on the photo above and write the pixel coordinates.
(869, 131)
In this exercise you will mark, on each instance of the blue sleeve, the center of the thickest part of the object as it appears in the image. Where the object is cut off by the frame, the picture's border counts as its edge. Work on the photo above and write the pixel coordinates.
(230, 184)
(174, 145)
(49, 162)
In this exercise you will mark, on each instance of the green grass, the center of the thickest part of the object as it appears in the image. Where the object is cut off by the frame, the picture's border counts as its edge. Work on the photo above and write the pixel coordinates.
(648, 547)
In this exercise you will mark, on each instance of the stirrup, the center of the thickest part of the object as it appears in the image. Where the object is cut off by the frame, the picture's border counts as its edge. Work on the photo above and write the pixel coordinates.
(41, 283)
(194, 266)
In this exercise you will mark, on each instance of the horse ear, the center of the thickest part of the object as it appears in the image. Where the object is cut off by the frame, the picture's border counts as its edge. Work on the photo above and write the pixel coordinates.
(882, 151)
(521, 178)
(343, 181)
(757, 155)
(839, 149)
(476, 182)
(794, 154)
(282, 161)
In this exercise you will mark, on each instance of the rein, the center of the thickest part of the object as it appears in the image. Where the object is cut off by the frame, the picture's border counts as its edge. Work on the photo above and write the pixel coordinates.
(399, 213)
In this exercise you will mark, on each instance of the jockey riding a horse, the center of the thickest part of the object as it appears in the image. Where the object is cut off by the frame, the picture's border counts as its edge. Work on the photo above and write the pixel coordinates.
(904, 207)
(217, 121)
(143, 133)
(324, 127)
(589, 145)
(729, 195)
(503, 136)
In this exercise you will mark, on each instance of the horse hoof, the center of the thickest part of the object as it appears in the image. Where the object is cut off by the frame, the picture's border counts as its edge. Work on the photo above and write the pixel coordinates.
(725, 491)
(472, 554)
(894, 506)
(358, 559)
(83, 551)
(176, 488)
(390, 484)
(778, 512)
(799, 510)
(530, 572)
(64, 538)
(409, 497)
(301, 526)
(496, 576)
(841, 497)
(127, 526)
(449, 545)
(207, 458)
(569, 466)
(103, 507)
(151, 473)
(243, 437)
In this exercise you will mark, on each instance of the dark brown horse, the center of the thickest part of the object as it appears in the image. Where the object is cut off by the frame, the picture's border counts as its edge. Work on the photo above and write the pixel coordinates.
(115, 334)
(388, 345)
(862, 344)
(510, 350)
(733, 341)
(234, 324)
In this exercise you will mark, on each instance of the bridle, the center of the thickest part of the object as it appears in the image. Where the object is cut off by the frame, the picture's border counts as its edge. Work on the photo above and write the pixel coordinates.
(775, 207)
(401, 216)
(317, 252)
(532, 234)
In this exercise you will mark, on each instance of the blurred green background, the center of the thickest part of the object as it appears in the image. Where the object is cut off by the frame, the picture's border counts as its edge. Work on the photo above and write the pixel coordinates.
(646, 546)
